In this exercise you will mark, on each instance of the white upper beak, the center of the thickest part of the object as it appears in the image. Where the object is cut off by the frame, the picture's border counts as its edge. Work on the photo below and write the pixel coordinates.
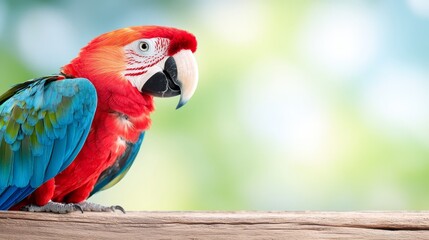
(187, 75)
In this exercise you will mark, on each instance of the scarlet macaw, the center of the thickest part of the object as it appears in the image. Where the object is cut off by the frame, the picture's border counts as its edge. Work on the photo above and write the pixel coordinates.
(65, 137)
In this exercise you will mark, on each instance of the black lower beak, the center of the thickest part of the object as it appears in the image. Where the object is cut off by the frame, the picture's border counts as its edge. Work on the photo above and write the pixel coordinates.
(165, 83)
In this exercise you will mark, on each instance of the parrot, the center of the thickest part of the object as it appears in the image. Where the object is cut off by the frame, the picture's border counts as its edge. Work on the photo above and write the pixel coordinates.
(67, 136)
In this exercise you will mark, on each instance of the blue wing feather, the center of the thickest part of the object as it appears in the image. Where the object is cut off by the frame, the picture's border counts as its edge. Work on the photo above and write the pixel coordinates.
(117, 171)
(43, 125)
(80, 139)
(58, 152)
(16, 194)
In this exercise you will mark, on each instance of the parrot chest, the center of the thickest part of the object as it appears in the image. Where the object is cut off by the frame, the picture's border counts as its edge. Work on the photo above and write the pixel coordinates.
(106, 142)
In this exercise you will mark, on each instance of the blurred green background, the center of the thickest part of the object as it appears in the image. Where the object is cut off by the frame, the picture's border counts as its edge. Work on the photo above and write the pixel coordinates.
(302, 105)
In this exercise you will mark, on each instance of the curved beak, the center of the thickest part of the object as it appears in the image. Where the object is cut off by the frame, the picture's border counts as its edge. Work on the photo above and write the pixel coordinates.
(179, 76)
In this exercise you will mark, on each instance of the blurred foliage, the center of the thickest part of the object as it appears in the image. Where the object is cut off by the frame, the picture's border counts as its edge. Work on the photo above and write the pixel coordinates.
(12, 70)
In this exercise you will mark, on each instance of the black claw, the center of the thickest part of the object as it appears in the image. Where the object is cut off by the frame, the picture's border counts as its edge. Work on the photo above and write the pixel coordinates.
(117, 207)
(77, 207)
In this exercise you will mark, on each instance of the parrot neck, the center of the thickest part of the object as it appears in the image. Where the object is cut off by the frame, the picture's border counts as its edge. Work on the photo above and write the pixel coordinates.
(115, 94)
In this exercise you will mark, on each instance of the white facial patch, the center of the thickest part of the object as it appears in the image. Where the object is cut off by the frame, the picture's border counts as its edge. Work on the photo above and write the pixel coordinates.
(144, 58)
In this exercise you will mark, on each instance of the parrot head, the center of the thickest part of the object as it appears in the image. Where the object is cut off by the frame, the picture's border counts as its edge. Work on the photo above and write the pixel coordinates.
(157, 61)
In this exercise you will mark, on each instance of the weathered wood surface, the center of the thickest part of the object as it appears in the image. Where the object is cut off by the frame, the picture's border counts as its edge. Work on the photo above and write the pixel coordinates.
(216, 225)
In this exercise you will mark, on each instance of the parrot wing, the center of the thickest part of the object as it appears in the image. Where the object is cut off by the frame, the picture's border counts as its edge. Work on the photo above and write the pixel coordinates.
(43, 125)
(117, 171)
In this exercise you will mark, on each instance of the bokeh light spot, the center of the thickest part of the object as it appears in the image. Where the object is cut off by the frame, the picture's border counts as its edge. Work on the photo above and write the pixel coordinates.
(397, 98)
(419, 7)
(282, 110)
(236, 22)
(340, 40)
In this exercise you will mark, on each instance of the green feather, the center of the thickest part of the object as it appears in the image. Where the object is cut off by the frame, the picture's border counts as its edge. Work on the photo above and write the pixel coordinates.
(36, 146)
(49, 129)
(32, 118)
(27, 128)
(64, 110)
(19, 114)
(11, 132)
(40, 132)
(2, 123)
(53, 119)
(5, 163)
(41, 114)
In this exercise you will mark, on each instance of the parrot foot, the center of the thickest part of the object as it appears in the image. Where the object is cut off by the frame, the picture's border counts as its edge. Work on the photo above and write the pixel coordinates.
(95, 207)
(54, 207)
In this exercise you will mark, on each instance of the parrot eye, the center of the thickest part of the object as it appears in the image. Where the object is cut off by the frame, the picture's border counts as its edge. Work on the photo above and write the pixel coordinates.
(144, 46)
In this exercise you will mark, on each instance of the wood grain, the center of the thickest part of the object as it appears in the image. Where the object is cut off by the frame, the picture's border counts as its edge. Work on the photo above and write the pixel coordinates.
(216, 225)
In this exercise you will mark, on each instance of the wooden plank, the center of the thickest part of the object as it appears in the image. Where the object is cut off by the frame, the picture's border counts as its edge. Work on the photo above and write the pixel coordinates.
(216, 225)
